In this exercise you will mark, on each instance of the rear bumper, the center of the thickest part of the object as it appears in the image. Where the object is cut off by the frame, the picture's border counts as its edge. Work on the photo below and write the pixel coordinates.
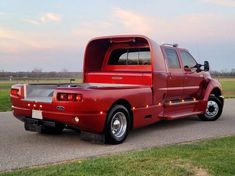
(94, 122)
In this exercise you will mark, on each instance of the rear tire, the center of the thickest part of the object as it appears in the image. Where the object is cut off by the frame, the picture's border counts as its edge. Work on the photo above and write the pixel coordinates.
(213, 111)
(117, 125)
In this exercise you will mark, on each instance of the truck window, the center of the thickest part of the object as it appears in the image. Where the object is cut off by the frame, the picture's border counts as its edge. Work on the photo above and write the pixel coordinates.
(131, 56)
(187, 59)
(172, 58)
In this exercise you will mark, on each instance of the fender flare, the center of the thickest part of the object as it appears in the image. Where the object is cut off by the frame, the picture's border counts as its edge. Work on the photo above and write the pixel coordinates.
(215, 88)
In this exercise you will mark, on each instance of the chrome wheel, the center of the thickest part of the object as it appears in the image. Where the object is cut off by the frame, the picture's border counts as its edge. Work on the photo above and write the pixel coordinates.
(119, 125)
(212, 109)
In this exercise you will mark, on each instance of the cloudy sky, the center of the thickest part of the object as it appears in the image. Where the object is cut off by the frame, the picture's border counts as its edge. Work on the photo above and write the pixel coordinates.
(52, 35)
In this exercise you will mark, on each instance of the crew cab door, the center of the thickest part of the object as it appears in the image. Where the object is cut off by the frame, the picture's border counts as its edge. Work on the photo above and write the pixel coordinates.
(175, 78)
(192, 79)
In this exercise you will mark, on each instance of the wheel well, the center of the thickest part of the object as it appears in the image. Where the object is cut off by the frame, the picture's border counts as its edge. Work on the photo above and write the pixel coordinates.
(128, 106)
(216, 92)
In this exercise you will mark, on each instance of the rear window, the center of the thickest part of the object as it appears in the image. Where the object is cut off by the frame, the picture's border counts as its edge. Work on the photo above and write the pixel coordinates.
(133, 56)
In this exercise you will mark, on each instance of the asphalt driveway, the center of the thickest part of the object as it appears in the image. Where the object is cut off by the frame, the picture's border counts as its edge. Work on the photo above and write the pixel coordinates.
(19, 148)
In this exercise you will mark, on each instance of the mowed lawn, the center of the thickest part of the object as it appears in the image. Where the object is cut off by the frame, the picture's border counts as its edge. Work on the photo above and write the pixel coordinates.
(4, 97)
(211, 157)
(228, 87)
(227, 83)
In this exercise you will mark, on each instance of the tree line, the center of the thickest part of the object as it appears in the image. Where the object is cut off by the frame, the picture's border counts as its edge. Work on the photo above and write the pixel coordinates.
(38, 74)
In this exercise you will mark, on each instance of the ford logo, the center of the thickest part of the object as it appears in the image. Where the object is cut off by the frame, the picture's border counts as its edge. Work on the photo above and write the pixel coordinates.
(60, 108)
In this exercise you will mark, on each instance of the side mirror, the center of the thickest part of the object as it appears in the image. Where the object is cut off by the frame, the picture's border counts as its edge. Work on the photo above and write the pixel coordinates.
(187, 69)
(206, 66)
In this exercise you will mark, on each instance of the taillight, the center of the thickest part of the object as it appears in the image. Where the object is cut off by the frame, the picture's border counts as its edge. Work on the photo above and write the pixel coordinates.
(15, 92)
(62, 97)
(78, 97)
(69, 97)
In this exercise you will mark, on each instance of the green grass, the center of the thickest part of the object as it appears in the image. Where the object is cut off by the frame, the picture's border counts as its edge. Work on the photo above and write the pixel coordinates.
(4, 100)
(228, 85)
(4, 97)
(211, 157)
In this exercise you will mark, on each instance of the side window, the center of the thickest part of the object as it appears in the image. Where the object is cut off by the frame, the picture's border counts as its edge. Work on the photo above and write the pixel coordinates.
(134, 56)
(187, 59)
(172, 58)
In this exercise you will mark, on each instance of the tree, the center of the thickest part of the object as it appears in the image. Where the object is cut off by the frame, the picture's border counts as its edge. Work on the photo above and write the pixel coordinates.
(37, 70)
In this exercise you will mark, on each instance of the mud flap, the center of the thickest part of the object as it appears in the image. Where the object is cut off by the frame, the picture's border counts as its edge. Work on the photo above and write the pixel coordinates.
(32, 125)
(36, 125)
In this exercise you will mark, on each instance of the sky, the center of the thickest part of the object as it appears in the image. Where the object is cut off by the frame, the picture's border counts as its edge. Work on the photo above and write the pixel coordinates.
(52, 35)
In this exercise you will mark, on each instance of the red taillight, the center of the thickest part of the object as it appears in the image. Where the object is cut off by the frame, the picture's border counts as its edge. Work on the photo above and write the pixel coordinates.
(62, 97)
(15, 92)
(78, 97)
(69, 97)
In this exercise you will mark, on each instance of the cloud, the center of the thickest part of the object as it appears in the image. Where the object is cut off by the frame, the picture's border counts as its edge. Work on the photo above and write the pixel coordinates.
(190, 27)
(16, 41)
(2, 13)
(202, 28)
(10, 42)
(226, 3)
(132, 21)
(119, 22)
(31, 21)
(50, 17)
(199, 28)
(5, 33)
(45, 18)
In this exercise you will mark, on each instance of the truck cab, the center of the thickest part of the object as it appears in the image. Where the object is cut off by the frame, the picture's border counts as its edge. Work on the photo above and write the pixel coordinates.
(128, 82)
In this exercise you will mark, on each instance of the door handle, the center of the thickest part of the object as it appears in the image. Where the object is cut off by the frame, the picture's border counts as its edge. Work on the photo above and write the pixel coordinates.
(170, 75)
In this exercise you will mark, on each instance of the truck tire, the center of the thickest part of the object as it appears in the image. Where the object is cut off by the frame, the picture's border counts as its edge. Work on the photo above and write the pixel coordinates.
(117, 125)
(52, 130)
(213, 110)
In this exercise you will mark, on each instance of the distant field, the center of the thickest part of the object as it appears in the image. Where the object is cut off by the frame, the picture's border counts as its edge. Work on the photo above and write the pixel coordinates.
(227, 83)
(228, 87)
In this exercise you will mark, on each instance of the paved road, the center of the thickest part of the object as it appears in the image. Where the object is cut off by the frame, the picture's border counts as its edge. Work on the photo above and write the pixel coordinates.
(19, 148)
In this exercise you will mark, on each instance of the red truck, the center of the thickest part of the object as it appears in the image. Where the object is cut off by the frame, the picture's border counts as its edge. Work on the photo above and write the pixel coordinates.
(128, 82)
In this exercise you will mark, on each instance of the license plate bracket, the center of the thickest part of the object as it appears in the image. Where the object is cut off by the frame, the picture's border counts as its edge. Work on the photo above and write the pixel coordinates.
(36, 114)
